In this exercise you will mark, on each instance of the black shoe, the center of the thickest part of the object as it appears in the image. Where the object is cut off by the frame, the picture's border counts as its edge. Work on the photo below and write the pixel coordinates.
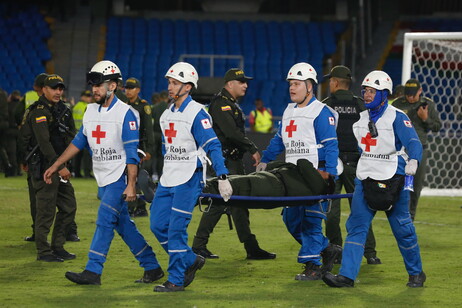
(73, 238)
(140, 212)
(260, 254)
(85, 277)
(329, 255)
(63, 254)
(151, 276)
(311, 272)
(338, 281)
(417, 281)
(191, 271)
(205, 253)
(168, 287)
(50, 258)
(373, 260)
(338, 260)
(30, 238)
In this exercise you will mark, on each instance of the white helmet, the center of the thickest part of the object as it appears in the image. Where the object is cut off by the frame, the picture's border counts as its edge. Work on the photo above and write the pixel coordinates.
(183, 72)
(103, 71)
(302, 71)
(378, 80)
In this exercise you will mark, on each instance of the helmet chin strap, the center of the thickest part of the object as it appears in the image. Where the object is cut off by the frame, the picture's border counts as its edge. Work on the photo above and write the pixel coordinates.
(105, 99)
(178, 95)
(307, 93)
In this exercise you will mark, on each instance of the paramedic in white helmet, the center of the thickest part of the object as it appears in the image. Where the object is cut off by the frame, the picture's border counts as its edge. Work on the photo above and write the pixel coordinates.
(187, 139)
(307, 131)
(390, 149)
(110, 130)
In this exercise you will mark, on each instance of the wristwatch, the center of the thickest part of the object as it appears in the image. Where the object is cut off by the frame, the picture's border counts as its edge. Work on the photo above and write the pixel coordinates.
(223, 177)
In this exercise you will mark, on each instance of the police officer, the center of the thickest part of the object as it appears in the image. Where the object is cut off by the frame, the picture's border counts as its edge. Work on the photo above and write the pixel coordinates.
(382, 132)
(228, 123)
(132, 90)
(423, 115)
(49, 128)
(21, 112)
(348, 107)
(84, 156)
(261, 119)
(157, 109)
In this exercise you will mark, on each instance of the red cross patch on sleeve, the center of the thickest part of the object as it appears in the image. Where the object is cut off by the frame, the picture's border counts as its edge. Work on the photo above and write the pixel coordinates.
(132, 125)
(206, 123)
(407, 123)
(331, 120)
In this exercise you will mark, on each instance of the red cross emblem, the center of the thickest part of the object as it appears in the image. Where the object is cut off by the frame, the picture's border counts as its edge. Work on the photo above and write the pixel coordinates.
(112, 70)
(98, 134)
(291, 128)
(368, 141)
(170, 133)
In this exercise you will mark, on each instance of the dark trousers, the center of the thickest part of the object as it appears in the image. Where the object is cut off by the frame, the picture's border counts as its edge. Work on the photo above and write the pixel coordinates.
(239, 215)
(333, 232)
(49, 197)
(419, 179)
(82, 159)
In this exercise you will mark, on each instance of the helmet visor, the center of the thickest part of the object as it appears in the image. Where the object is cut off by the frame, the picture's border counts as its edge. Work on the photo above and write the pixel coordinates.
(95, 78)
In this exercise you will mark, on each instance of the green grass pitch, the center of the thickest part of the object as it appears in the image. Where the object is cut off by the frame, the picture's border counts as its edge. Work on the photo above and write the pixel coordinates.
(231, 281)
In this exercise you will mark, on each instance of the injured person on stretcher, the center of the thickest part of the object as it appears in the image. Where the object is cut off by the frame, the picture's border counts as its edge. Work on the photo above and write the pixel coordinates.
(280, 179)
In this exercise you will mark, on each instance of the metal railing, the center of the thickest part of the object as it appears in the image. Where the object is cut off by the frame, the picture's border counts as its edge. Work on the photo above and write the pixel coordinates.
(212, 59)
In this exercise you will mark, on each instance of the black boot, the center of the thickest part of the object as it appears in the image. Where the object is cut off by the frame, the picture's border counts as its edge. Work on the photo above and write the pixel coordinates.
(85, 277)
(63, 254)
(151, 276)
(168, 287)
(373, 260)
(329, 255)
(417, 281)
(72, 237)
(205, 253)
(30, 238)
(191, 271)
(254, 252)
(311, 272)
(338, 281)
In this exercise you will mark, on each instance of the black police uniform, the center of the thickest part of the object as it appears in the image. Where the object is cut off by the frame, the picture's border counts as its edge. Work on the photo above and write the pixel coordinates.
(157, 111)
(228, 124)
(51, 127)
(146, 144)
(348, 107)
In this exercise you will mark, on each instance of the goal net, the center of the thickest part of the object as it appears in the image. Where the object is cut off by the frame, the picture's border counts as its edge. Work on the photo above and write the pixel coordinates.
(435, 59)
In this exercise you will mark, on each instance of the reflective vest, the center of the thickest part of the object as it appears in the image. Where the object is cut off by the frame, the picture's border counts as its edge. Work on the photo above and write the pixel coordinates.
(263, 120)
(77, 113)
(30, 98)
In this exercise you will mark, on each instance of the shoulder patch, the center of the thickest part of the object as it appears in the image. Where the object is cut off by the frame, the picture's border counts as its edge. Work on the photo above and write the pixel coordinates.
(147, 109)
(40, 119)
(206, 123)
(40, 106)
(331, 121)
(407, 123)
(132, 125)
(226, 108)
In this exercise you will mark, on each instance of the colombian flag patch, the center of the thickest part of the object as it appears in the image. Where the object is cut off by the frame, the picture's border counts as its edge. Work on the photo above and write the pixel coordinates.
(226, 108)
(40, 119)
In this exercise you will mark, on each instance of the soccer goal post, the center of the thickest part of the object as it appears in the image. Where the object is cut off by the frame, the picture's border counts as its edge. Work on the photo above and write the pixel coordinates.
(435, 59)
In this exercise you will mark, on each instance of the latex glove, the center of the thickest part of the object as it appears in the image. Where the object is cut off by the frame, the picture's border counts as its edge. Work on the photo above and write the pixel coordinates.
(225, 188)
(411, 167)
(261, 167)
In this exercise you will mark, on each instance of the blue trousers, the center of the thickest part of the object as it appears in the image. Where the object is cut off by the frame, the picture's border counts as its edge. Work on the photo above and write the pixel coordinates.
(113, 214)
(305, 225)
(358, 225)
(171, 212)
